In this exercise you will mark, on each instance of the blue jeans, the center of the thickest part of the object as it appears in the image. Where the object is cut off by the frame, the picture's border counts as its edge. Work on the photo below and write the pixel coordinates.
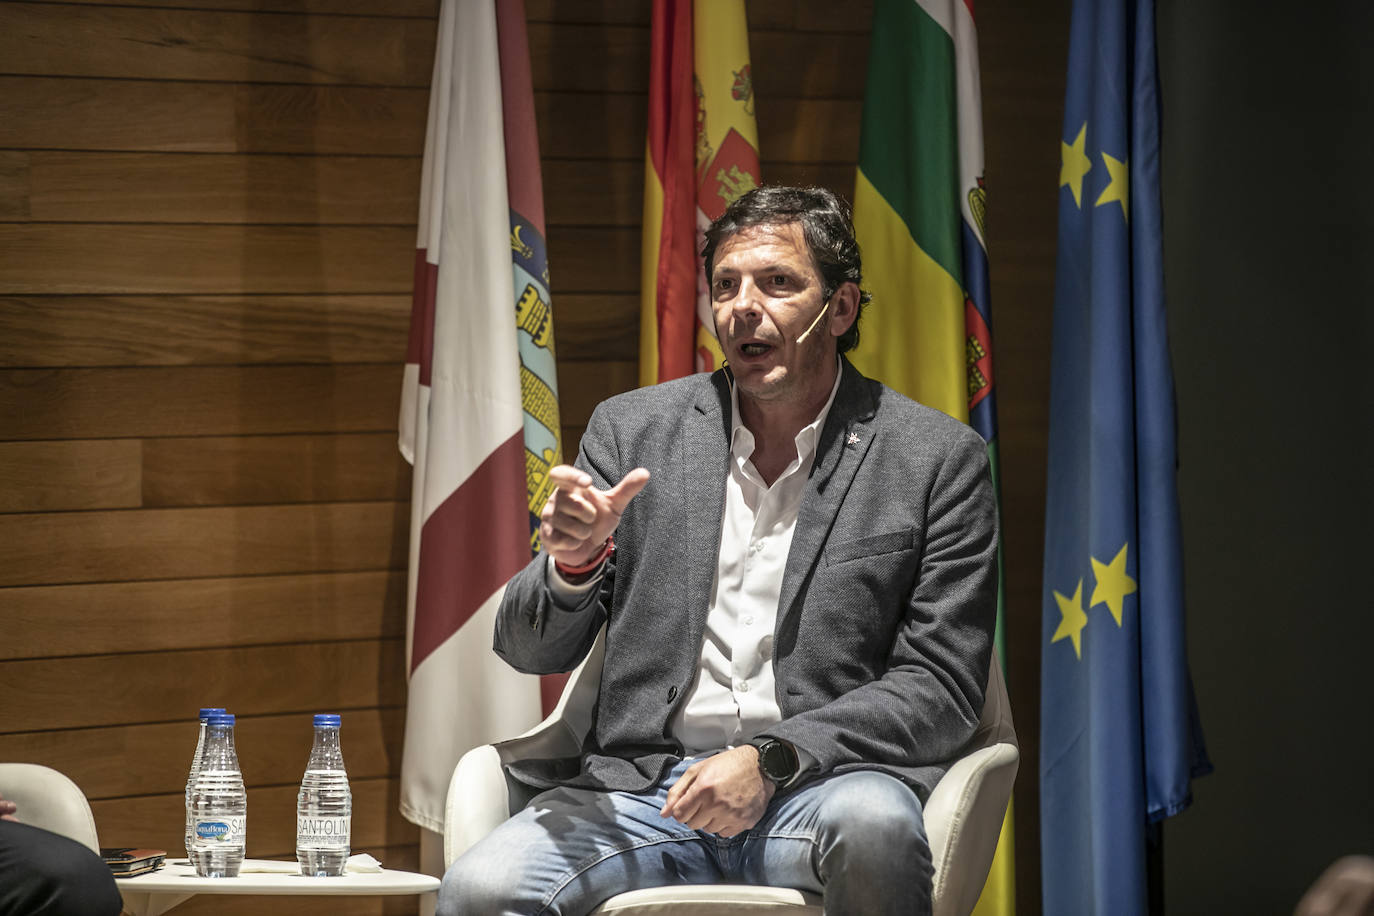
(858, 839)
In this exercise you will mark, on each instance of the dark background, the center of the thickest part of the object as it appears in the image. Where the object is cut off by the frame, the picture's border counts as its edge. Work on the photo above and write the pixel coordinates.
(1268, 232)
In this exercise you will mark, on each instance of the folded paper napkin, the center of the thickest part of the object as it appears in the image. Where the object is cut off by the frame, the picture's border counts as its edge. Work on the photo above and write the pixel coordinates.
(360, 864)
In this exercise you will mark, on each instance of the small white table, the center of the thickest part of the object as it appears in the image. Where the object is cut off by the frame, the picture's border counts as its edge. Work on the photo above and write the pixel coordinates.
(176, 882)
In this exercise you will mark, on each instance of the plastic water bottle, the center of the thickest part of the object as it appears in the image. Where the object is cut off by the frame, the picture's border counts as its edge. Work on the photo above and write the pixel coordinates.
(220, 806)
(205, 713)
(324, 807)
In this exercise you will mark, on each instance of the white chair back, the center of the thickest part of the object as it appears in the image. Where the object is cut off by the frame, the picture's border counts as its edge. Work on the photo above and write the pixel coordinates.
(48, 799)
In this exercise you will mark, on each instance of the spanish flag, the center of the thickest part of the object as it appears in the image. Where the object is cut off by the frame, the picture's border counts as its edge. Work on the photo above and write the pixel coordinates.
(701, 154)
(919, 206)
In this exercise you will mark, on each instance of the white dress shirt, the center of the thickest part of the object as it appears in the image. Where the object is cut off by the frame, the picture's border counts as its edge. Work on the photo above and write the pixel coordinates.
(733, 697)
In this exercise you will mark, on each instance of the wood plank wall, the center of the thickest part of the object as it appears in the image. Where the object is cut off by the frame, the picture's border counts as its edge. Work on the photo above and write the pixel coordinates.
(208, 214)
(207, 211)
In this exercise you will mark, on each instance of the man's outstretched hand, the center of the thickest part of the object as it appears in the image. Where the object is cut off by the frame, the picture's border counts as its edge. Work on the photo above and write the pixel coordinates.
(578, 517)
(724, 794)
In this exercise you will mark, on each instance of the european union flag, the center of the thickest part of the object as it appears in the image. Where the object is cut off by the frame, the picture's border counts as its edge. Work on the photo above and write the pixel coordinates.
(1119, 739)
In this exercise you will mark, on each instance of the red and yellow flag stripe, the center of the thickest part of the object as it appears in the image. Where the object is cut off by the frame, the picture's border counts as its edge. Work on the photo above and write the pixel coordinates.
(701, 154)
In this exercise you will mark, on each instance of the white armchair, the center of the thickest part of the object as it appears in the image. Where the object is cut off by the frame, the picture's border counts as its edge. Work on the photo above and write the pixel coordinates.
(963, 814)
(48, 799)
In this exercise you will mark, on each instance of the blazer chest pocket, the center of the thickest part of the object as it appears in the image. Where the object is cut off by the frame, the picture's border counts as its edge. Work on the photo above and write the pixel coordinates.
(871, 546)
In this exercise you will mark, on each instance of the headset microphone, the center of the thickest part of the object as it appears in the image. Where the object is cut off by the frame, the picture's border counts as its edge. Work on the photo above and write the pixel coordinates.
(814, 322)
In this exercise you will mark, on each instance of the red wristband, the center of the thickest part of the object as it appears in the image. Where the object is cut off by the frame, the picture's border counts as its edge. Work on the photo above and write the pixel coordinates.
(606, 550)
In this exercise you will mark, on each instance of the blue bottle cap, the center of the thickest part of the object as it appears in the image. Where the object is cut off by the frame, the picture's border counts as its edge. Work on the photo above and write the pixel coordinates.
(221, 718)
(208, 711)
(327, 719)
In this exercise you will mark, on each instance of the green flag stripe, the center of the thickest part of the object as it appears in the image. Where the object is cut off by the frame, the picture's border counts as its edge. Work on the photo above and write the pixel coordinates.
(909, 146)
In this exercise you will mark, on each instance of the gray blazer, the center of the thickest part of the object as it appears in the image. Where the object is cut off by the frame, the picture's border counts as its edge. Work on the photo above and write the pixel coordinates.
(884, 625)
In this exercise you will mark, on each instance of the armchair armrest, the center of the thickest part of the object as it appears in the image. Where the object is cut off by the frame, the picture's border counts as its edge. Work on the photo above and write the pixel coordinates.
(481, 797)
(963, 822)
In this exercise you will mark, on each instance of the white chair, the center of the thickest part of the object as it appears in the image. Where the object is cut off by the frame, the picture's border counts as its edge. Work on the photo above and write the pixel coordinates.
(963, 814)
(50, 800)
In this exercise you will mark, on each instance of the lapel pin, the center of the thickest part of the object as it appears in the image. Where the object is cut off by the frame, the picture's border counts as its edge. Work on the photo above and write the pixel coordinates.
(853, 439)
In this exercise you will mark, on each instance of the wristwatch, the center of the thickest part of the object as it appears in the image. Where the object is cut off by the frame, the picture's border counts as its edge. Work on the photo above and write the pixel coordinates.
(777, 759)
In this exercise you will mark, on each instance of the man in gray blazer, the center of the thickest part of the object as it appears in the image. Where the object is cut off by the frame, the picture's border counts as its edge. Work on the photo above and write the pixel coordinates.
(796, 571)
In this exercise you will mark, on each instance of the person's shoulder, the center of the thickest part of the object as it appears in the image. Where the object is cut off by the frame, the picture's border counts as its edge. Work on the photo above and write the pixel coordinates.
(664, 402)
(654, 398)
(922, 423)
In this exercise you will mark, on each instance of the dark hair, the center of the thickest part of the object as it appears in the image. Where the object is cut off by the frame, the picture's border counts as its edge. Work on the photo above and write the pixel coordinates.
(827, 225)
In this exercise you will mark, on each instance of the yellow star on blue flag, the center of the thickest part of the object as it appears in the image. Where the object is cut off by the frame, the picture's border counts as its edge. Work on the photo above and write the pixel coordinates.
(1113, 585)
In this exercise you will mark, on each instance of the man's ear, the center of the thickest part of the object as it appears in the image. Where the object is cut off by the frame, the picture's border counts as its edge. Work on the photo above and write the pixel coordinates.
(844, 308)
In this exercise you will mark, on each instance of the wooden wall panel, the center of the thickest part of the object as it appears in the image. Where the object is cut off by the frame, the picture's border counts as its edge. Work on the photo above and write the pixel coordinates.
(91, 691)
(207, 225)
(581, 386)
(166, 330)
(211, 401)
(280, 468)
(827, 16)
(219, 471)
(86, 187)
(14, 185)
(590, 326)
(68, 258)
(596, 259)
(152, 616)
(215, 46)
(591, 192)
(330, 120)
(424, 9)
(588, 125)
(147, 115)
(70, 547)
(95, 690)
(41, 112)
(197, 401)
(56, 476)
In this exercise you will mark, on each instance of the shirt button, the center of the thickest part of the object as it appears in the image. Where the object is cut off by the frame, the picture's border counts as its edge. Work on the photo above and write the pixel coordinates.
(743, 686)
(748, 621)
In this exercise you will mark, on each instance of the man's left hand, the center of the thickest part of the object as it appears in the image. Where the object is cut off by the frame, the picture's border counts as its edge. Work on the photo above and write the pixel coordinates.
(724, 794)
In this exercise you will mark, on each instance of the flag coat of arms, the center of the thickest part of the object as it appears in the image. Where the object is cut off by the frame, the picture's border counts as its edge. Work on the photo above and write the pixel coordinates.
(479, 412)
(701, 154)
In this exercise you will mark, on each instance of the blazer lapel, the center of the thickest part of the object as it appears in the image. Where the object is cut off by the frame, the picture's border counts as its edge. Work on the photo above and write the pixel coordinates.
(703, 461)
(844, 440)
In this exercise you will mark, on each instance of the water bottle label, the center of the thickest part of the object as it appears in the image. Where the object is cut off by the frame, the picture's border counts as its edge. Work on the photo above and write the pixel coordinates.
(228, 831)
(321, 831)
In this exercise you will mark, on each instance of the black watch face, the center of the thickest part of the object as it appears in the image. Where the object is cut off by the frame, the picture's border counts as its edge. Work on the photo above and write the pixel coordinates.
(778, 761)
